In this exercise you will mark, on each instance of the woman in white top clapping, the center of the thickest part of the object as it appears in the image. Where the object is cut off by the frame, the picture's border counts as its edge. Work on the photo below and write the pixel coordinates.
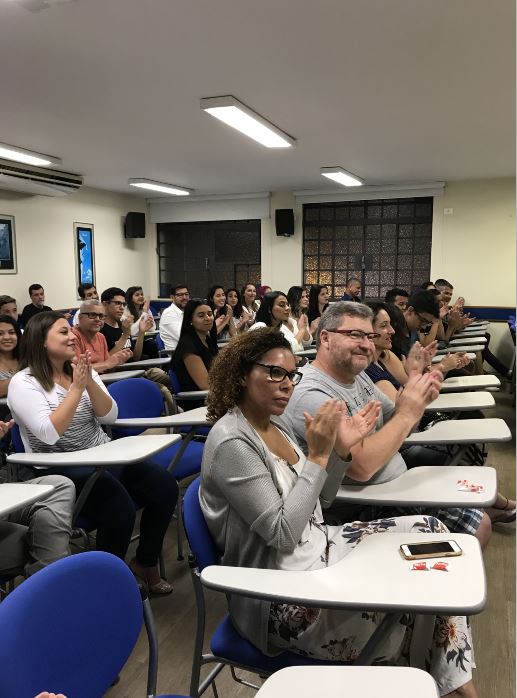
(298, 321)
(274, 312)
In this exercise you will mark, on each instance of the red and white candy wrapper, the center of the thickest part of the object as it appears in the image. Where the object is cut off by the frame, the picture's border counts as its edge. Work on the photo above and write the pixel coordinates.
(466, 486)
(420, 566)
(440, 566)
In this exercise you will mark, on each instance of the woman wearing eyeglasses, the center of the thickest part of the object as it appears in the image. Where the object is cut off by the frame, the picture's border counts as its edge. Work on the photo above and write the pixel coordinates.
(260, 496)
(60, 404)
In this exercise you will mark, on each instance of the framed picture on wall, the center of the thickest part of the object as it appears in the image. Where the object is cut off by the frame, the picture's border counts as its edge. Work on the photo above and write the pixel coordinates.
(84, 253)
(7, 245)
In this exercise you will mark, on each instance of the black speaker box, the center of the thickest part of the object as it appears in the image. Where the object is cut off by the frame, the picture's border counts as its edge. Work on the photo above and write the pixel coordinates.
(284, 221)
(134, 226)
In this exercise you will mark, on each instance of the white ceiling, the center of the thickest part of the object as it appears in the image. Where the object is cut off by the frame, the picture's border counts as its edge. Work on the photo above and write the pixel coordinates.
(392, 90)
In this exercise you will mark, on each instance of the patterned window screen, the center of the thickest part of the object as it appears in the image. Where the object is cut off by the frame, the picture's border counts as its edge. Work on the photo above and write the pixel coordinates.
(384, 242)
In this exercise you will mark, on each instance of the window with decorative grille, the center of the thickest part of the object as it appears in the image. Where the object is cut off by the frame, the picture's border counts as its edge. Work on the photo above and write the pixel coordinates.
(384, 242)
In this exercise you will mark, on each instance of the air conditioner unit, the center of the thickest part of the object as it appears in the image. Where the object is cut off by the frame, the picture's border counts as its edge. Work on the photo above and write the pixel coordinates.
(37, 180)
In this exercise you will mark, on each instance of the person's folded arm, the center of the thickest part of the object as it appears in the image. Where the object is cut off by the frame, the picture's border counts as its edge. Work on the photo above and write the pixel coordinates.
(372, 454)
(4, 385)
(245, 481)
(31, 409)
(196, 370)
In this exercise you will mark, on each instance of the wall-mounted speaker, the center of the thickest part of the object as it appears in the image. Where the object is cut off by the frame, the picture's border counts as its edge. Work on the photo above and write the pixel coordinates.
(284, 221)
(134, 225)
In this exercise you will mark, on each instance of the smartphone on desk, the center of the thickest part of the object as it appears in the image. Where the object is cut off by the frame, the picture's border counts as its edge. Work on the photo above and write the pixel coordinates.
(436, 548)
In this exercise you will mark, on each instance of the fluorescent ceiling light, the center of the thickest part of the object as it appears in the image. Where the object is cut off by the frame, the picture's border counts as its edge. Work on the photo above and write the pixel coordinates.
(28, 157)
(159, 186)
(341, 176)
(239, 116)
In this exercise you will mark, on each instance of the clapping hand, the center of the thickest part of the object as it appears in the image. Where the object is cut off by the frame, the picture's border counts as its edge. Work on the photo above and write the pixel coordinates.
(81, 372)
(4, 427)
(145, 323)
(303, 322)
(126, 323)
(444, 311)
(455, 319)
(356, 428)
(121, 357)
(146, 305)
(321, 431)
(419, 358)
(419, 391)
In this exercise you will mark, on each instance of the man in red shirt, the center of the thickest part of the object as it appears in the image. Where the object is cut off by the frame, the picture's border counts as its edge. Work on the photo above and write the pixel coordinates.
(89, 338)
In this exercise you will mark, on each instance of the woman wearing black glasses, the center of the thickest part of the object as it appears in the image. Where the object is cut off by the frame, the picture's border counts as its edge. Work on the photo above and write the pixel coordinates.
(260, 496)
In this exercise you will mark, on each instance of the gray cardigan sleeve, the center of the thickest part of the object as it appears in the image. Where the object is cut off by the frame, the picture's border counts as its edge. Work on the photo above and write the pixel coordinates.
(243, 478)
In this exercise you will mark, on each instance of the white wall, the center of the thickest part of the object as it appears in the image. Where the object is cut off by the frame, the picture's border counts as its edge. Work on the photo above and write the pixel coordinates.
(45, 244)
(282, 256)
(474, 247)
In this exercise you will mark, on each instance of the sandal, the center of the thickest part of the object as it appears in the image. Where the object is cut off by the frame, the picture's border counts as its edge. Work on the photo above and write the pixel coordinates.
(506, 516)
(160, 588)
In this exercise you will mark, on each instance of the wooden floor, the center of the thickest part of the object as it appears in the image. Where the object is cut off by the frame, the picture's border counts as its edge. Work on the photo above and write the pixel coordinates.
(493, 630)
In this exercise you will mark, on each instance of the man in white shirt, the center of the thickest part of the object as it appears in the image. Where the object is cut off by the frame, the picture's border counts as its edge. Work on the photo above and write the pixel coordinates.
(172, 317)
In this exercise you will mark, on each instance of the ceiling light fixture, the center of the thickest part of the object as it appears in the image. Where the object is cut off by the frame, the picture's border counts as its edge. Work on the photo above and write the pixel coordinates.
(341, 176)
(27, 157)
(162, 187)
(237, 115)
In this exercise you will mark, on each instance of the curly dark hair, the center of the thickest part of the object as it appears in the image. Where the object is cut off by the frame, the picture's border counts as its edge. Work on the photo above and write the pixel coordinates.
(234, 363)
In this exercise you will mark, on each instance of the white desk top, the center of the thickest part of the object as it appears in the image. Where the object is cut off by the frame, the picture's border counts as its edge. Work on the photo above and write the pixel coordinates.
(373, 576)
(478, 323)
(306, 352)
(436, 359)
(191, 394)
(146, 363)
(463, 431)
(470, 331)
(130, 449)
(428, 486)
(468, 339)
(470, 383)
(192, 418)
(120, 375)
(455, 348)
(352, 681)
(464, 402)
(15, 495)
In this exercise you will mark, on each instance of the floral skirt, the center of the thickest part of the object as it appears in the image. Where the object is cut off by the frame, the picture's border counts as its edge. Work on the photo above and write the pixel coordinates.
(441, 645)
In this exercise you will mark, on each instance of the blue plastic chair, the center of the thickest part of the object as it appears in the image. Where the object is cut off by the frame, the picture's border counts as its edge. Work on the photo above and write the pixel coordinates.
(71, 627)
(226, 645)
(139, 397)
(185, 403)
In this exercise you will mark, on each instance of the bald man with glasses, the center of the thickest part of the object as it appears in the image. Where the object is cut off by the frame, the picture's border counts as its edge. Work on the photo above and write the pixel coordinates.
(90, 339)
